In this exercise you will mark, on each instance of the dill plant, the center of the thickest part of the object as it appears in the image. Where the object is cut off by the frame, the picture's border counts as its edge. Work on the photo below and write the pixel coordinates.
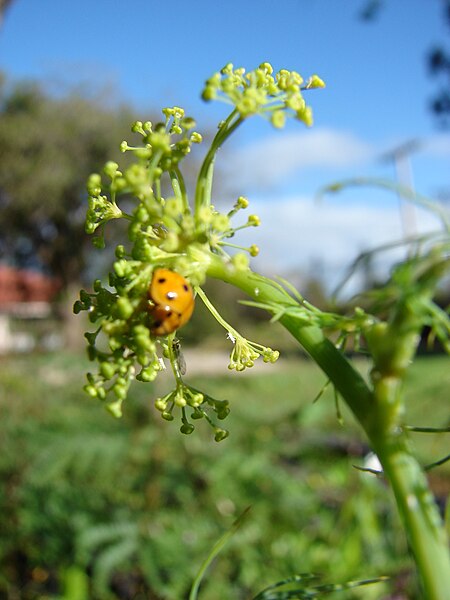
(192, 239)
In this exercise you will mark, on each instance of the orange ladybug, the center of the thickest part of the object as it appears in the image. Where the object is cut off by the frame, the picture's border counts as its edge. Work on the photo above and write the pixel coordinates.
(172, 301)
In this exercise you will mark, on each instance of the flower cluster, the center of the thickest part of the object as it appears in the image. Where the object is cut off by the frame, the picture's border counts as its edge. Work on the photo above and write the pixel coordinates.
(168, 235)
(262, 92)
(245, 353)
(184, 396)
(162, 231)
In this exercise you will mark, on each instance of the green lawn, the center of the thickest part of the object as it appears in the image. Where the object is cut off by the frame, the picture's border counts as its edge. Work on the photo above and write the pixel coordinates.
(129, 508)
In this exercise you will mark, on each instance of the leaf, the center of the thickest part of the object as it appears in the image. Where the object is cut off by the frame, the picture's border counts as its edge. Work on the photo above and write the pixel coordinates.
(214, 552)
(307, 592)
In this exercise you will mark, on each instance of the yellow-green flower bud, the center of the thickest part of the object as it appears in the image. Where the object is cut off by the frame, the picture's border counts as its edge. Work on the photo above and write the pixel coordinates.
(305, 115)
(124, 308)
(227, 69)
(111, 168)
(242, 202)
(136, 127)
(221, 434)
(209, 93)
(196, 138)
(220, 222)
(160, 141)
(94, 184)
(178, 112)
(115, 408)
(254, 221)
(278, 119)
(120, 251)
(161, 404)
(179, 399)
(197, 399)
(295, 102)
(107, 370)
(266, 67)
(91, 391)
(315, 82)
(187, 428)
(120, 267)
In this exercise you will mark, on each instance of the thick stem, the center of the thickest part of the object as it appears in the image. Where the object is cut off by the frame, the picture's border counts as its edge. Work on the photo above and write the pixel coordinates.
(422, 522)
(418, 510)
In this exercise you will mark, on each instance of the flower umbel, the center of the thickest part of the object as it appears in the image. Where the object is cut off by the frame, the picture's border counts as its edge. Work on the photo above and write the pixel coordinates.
(134, 330)
(261, 92)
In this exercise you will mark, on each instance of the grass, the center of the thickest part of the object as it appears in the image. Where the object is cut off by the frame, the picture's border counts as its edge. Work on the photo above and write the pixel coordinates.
(134, 506)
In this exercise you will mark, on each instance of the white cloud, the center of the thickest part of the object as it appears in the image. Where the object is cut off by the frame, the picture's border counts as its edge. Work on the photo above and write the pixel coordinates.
(269, 161)
(298, 234)
(277, 156)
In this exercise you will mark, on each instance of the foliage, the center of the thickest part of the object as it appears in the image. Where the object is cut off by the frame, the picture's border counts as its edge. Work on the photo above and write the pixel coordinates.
(136, 507)
(49, 145)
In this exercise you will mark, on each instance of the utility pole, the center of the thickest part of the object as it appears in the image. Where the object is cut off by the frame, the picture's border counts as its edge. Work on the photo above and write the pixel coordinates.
(400, 156)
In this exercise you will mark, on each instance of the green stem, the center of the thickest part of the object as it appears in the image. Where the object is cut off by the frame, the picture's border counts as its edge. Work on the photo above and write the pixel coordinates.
(179, 186)
(417, 507)
(214, 312)
(414, 500)
(173, 358)
(203, 188)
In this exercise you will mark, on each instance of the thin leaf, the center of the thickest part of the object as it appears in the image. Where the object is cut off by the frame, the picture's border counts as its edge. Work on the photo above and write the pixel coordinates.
(214, 552)
(307, 593)
(438, 463)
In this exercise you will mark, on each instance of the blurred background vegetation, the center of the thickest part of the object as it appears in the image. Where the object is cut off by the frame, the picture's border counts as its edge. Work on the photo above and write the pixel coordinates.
(97, 508)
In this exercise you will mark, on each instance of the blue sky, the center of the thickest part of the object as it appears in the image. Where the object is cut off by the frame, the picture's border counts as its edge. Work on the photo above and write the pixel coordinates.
(155, 54)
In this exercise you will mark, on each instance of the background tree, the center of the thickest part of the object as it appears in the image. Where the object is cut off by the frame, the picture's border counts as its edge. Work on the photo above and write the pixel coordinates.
(439, 65)
(49, 145)
(3, 7)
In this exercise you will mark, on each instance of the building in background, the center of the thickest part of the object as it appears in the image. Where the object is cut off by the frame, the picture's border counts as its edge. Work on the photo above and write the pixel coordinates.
(27, 312)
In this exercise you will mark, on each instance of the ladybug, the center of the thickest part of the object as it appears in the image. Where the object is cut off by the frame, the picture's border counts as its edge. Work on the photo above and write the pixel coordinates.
(172, 301)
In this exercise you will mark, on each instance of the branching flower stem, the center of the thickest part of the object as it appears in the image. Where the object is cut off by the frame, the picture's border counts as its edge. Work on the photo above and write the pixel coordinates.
(179, 187)
(205, 176)
(389, 440)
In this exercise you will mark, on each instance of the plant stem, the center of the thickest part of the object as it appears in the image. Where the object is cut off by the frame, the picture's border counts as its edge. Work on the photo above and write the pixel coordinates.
(417, 507)
(179, 187)
(415, 502)
(203, 188)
